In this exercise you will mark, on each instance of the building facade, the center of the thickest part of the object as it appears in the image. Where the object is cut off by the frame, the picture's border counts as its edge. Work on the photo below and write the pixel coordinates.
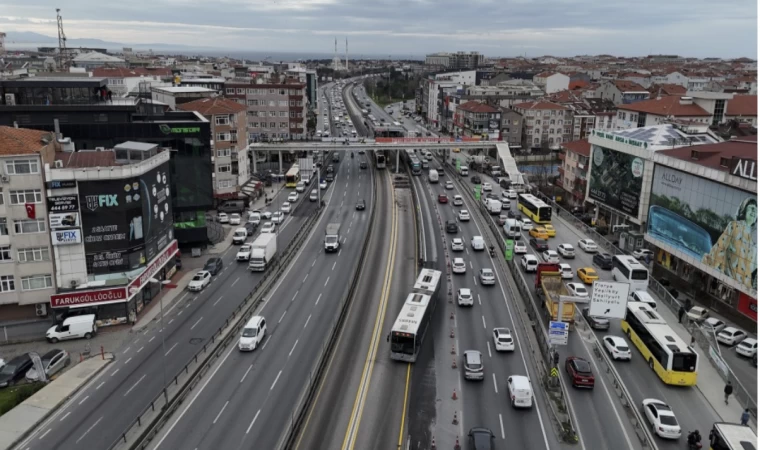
(621, 92)
(473, 119)
(544, 124)
(275, 110)
(511, 127)
(573, 170)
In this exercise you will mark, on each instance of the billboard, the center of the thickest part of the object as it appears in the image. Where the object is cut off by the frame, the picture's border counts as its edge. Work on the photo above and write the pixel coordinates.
(615, 179)
(66, 237)
(710, 222)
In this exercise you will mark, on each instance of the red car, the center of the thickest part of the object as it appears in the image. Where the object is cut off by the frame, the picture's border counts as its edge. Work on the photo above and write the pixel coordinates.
(580, 372)
(443, 198)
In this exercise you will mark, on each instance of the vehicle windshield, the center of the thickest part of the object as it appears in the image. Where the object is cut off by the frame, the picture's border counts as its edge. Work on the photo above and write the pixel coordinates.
(684, 362)
(401, 343)
(8, 369)
(198, 278)
(582, 366)
(249, 332)
(331, 239)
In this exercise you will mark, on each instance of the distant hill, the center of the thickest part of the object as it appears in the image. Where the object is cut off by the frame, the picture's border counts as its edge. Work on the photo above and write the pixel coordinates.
(30, 39)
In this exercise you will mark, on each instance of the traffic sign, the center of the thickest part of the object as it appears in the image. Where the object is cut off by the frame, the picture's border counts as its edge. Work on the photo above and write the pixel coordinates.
(555, 372)
(558, 332)
(609, 299)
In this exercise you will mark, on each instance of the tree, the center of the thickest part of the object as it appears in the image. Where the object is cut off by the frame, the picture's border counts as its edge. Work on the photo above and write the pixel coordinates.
(311, 124)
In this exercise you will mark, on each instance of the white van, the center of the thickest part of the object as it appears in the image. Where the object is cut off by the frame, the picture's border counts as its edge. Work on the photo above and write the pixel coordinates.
(73, 328)
(520, 391)
(253, 333)
(433, 176)
(239, 236)
(643, 296)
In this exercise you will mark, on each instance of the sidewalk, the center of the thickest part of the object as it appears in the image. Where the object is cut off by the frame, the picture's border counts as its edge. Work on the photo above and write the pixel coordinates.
(19, 422)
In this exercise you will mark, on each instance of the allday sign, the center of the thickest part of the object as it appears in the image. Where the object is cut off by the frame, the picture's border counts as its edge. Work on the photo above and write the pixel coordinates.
(609, 299)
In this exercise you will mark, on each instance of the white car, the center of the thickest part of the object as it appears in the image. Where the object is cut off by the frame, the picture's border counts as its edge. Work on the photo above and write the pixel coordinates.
(278, 217)
(487, 187)
(459, 266)
(713, 325)
(458, 200)
(511, 193)
(285, 207)
(268, 227)
(323, 185)
(478, 243)
(254, 218)
(617, 348)
(520, 248)
(577, 289)
(301, 186)
(566, 271)
(731, 336)
(235, 219)
(566, 250)
(642, 253)
(293, 197)
(697, 314)
(529, 263)
(487, 277)
(588, 246)
(464, 215)
(266, 215)
(200, 280)
(223, 218)
(550, 256)
(747, 347)
(449, 185)
(457, 245)
(464, 297)
(502, 340)
(244, 253)
(662, 418)
(527, 224)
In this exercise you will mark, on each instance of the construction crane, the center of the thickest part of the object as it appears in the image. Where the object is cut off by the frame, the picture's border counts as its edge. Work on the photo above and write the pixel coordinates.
(63, 52)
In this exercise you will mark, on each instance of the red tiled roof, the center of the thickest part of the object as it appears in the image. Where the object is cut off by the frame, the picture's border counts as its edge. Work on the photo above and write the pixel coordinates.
(477, 107)
(87, 159)
(22, 141)
(710, 154)
(628, 86)
(537, 105)
(123, 72)
(579, 84)
(581, 147)
(212, 106)
(666, 106)
(667, 89)
(742, 105)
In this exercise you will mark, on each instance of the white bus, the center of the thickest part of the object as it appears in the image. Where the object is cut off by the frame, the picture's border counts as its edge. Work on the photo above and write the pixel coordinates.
(627, 269)
(412, 322)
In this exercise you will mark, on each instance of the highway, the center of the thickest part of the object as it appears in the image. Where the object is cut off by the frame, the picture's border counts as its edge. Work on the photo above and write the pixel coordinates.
(249, 397)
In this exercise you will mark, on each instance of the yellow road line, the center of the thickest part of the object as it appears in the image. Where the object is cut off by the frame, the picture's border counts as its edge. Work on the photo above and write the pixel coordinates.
(403, 411)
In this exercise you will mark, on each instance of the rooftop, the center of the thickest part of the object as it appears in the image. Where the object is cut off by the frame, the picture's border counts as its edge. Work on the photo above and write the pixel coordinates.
(212, 106)
(22, 141)
(538, 105)
(660, 137)
(97, 57)
(581, 147)
(85, 159)
(628, 86)
(182, 89)
(742, 105)
(711, 155)
(675, 106)
(477, 107)
(123, 72)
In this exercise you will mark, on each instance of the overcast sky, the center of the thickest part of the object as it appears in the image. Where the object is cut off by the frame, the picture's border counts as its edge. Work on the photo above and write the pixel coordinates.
(698, 28)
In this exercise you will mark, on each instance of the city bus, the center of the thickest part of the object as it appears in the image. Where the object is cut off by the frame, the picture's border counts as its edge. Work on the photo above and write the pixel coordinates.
(732, 436)
(627, 269)
(667, 355)
(535, 208)
(380, 159)
(414, 163)
(412, 322)
(293, 176)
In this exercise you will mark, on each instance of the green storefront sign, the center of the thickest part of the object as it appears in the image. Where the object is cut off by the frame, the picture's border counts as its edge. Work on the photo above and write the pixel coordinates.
(621, 139)
(166, 129)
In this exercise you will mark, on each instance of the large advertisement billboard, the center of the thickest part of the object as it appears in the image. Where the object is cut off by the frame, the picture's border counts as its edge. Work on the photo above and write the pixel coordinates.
(125, 220)
(712, 223)
(615, 179)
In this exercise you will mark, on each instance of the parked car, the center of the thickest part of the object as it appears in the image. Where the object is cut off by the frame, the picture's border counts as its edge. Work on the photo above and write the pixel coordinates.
(697, 314)
(235, 219)
(595, 322)
(53, 362)
(15, 370)
(214, 265)
(580, 372)
(713, 325)
(642, 253)
(747, 347)
(222, 218)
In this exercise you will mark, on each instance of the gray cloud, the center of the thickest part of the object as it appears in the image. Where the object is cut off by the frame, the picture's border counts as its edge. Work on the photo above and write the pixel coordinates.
(403, 27)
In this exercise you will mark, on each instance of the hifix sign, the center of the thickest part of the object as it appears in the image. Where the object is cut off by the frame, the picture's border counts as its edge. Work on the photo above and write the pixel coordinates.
(101, 201)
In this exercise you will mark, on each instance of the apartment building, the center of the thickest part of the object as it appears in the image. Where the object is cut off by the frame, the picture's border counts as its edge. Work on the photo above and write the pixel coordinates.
(742, 108)
(229, 147)
(473, 119)
(276, 110)
(660, 111)
(458, 60)
(573, 169)
(545, 122)
(122, 80)
(26, 266)
(552, 82)
(511, 127)
(621, 92)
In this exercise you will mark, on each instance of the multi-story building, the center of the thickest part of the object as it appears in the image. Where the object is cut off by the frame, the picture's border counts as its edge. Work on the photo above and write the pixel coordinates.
(276, 110)
(505, 93)
(26, 272)
(544, 123)
(229, 128)
(573, 169)
(663, 90)
(621, 92)
(177, 95)
(309, 78)
(511, 127)
(742, 108)
(552, 82)
(122, 80)
(659, 111)
(458, 60)
(473, 119)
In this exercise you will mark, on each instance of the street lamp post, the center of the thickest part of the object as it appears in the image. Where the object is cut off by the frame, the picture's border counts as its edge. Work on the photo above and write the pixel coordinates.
(163, 340)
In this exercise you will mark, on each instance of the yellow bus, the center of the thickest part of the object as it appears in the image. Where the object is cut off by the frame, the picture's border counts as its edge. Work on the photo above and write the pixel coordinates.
(293, 176)
(535, 208)
(667, 355)
(732, 436)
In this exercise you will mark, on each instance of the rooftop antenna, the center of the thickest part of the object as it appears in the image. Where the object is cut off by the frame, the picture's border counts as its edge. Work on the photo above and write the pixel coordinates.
(63, 52)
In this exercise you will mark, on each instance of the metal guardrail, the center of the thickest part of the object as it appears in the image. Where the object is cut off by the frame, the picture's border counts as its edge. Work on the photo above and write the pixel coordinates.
(289, 438)
(147, 424)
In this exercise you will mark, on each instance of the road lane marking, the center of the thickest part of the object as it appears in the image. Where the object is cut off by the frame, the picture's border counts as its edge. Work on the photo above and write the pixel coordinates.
(127, 361)
(275, 380)
(151, 339)
(501, 423)
(266, 342)
(134, 385)
(170, 350)
(218, 300)
(488, 344)
(312, 264)
(252, 422)
(101, 384)
(479, 303)
(235, 282)
(89, 429)
(307, 321)
(220, 412)
(65, 416)
(196, 323)
(84, 400)
(125, 351)
(495, 386)
(140, 349)
(294, 297)
(294, 347)
(114, 372)
(170, 322)
(45, 433)
(317, 302)
(333, 267)
(304, 278)
(327, 281)
(246, 373)
(283, 316)
(484, 321)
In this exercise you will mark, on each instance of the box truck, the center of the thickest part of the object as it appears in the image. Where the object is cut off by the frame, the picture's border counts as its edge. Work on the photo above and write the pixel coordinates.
(332, 237)
(263, 250)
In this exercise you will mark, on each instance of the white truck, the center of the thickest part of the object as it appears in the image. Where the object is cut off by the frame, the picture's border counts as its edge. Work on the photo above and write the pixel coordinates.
(433, 176)
(493, 206)
(239, 236)
(263, 250)
(332, 237)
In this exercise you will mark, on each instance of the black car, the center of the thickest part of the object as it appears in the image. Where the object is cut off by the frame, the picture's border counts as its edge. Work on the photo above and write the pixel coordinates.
(603, 260)
(360, 205)
(363, 165)
(452, 226)
(441, 172)
(214, 265)
(511, 214)
(15, 370)
(475, 179)
(480, 439)
(539, 244)
(250, 228)
(330, 177)
(597, 323)
(330, 168)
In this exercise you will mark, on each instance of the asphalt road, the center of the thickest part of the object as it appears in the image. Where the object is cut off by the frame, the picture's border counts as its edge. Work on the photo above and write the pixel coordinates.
(249, 397)
(110, 402)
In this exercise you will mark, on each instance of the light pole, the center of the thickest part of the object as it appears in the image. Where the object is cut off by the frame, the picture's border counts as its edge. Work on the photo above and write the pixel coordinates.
(163, 340)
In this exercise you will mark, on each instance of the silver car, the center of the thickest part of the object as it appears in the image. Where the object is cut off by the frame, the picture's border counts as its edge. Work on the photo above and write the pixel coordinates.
(53, 361)
(487, 277)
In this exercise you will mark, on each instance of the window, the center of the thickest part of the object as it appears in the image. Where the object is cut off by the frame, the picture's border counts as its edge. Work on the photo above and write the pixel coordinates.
(253, 102)
(36, 282)
(7, 284)
(272, 125)
(240, 91)
(283, 125)
(34, 254)
(272, 103)
(271, 91)
(29, 226)
(255, 124)
(272, 113)
(283, 103)
(22, 167)
(251, 91)
(223, 137)
(3, 226)
(221, 184)
(224, 168)
(230, 91)
(292, 103)
(724, 162)
(2, 197)
(26, 196)
(283, 114)
(223, 152)
(222, 120)
(5, 253)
